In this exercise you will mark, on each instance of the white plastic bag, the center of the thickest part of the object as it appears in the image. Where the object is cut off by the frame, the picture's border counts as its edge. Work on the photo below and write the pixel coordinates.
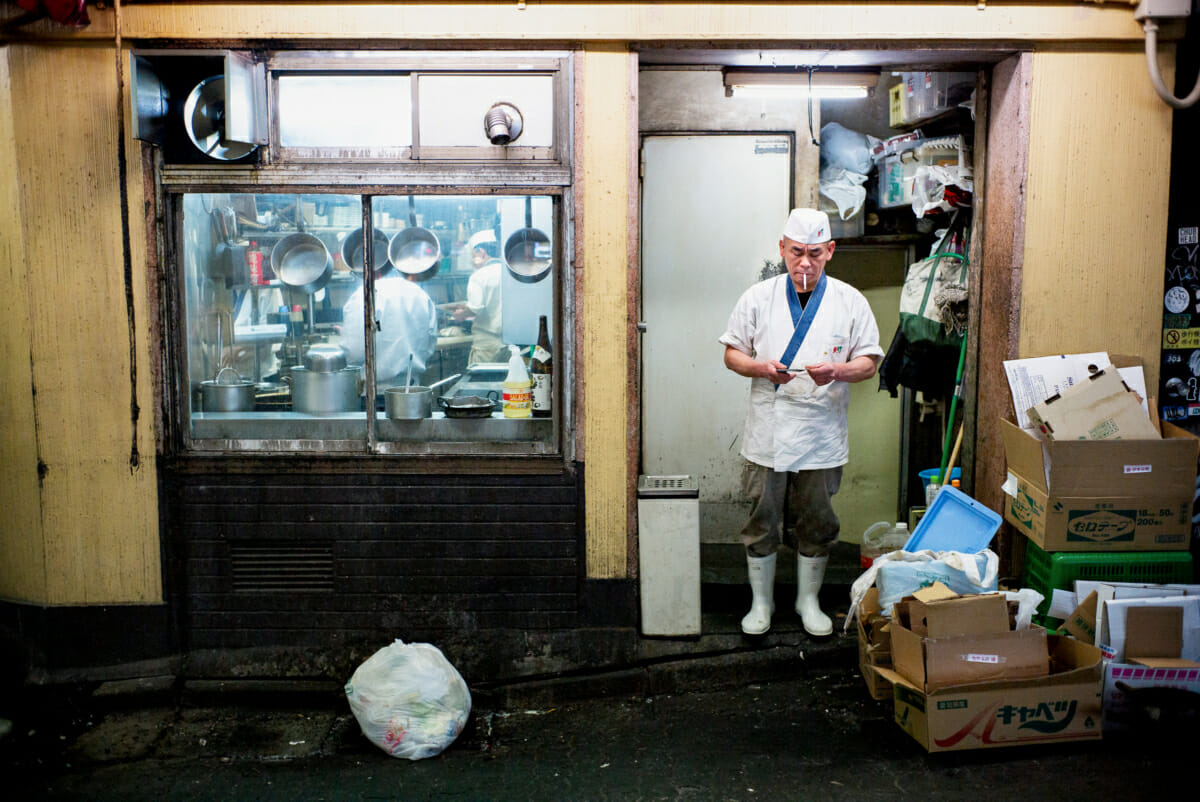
(912, 570)
(409, 700)
(844, 188)
(841, 147)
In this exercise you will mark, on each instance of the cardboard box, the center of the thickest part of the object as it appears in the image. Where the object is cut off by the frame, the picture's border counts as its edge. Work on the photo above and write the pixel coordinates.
(1102, 495)
(1138, 697)
(1064, 705)
(1101, 407)
(874, 644)
(940, 639)
(1129, 629)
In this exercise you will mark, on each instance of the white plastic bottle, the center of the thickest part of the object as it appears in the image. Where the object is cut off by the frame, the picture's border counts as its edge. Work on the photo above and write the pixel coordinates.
(518, 398)
(881, 538)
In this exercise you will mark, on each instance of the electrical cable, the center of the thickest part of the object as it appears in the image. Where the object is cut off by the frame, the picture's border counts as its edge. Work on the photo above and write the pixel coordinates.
(1150, 27)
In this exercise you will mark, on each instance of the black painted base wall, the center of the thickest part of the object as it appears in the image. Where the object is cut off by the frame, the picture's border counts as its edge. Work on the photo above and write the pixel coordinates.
(272, 574)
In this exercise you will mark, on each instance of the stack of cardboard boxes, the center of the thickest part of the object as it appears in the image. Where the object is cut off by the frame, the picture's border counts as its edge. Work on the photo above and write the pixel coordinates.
(1102, 491)
(1092, 477)
(961, 676)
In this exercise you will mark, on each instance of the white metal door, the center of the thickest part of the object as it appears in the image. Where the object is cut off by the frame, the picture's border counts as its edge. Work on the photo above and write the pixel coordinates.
(713, 207)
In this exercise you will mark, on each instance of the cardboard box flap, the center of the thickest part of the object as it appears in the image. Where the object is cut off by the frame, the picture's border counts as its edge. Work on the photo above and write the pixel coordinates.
(1122, 467)
(1081, 623)
(1071, 661)
(1163, 662)
(1012, 655)
(1101, 407)
(1023, 452)
(956, 616)
(1153, 632)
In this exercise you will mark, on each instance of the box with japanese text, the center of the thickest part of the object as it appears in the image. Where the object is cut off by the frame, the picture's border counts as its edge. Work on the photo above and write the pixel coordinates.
(1101, 495)
(1064, 705)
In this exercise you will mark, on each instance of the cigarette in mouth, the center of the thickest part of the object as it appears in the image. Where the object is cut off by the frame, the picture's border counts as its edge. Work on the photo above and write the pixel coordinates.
(804, 279)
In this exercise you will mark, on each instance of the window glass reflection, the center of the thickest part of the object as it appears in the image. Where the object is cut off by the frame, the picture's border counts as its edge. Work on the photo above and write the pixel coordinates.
(275, 320)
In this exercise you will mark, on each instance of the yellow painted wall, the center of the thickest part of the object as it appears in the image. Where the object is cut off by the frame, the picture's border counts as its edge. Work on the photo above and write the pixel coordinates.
(91, 529)
(606, 76)
(22, 548)
(1095, 225)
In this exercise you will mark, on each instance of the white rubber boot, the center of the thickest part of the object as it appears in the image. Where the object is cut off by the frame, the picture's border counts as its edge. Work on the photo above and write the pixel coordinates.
(810, 571)
(762, 586)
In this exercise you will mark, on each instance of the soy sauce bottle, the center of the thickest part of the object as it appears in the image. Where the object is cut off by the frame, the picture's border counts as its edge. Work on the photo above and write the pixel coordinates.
(541, 369)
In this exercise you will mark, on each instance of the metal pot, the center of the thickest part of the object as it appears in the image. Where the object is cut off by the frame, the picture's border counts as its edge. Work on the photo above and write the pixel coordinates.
(408, 403)
(415, 251)
(467, 406)
(323, 392)
(527, 251)
(225, 394)
(302, 261)
(325, 358)
(352, 251)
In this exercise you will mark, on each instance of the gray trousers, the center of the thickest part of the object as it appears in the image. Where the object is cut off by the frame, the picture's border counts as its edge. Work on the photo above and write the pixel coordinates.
(795, 508)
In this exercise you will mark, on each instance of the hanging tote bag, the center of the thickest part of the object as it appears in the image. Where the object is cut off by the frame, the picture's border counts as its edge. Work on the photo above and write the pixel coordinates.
(933, 301)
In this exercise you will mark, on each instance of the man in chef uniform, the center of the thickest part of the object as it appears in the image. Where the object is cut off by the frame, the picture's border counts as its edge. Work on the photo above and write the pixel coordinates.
(801, 338)
(483, 300)
(406, 319)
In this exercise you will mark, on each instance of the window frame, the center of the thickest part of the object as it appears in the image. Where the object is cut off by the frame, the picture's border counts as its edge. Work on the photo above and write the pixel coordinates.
(477, 173)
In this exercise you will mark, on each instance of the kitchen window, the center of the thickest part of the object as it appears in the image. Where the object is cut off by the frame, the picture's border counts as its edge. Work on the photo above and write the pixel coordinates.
(321, 278)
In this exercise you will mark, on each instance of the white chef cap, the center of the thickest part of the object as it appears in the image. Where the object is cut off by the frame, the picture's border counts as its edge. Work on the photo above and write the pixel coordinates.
(480, 237)
(807, 226)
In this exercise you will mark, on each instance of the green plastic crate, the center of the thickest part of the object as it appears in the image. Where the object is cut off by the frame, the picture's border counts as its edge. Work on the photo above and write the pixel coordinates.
(1045, 571)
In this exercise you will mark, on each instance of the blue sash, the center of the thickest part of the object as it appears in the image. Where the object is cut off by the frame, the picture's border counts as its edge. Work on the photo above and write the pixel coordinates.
(802, 317)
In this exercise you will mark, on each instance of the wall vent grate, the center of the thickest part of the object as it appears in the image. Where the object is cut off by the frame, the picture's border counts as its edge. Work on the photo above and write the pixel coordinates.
(281, 568)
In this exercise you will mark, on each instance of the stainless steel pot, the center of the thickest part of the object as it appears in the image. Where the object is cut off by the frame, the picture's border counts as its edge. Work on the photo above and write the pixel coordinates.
(408, 403)
(302, 261)
(527, 252)
(227, 393)
(320, 393)
(352, 251)
(415, 251)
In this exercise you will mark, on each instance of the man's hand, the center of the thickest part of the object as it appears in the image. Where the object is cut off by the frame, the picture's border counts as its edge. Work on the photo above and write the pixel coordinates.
(858, 369)
(822, 373)
(746, 365)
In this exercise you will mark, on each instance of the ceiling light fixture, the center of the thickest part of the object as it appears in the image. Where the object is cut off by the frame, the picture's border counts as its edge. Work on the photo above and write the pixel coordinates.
(826, 85)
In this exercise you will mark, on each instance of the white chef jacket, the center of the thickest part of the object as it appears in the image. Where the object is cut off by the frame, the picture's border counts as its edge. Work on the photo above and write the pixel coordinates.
(800, 426)
(483, 298)
(407, 324)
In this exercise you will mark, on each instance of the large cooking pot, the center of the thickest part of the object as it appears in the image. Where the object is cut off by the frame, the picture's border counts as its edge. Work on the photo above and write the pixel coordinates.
(318, 393)
(527, 251)
(302, 261)
(325, 383)
(415, 251)
(352, 251)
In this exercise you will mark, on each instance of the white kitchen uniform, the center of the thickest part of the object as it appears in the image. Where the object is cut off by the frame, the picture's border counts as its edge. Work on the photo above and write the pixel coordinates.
(483, 299)
(800, 426)
(407, 325)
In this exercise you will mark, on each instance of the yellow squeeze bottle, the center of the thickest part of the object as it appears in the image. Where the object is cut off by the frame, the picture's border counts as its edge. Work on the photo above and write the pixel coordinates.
(518, 390)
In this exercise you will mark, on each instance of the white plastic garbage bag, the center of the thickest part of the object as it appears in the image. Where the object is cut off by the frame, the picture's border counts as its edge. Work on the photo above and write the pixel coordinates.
(907, 571)
(844, 188)
(409, 700)
(841, 147)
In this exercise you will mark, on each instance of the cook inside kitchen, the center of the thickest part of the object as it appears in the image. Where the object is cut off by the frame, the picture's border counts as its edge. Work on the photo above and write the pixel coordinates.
(305, 310)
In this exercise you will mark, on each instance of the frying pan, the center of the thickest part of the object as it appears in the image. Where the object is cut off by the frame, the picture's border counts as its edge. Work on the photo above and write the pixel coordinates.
(527, 251)
(415, 251)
